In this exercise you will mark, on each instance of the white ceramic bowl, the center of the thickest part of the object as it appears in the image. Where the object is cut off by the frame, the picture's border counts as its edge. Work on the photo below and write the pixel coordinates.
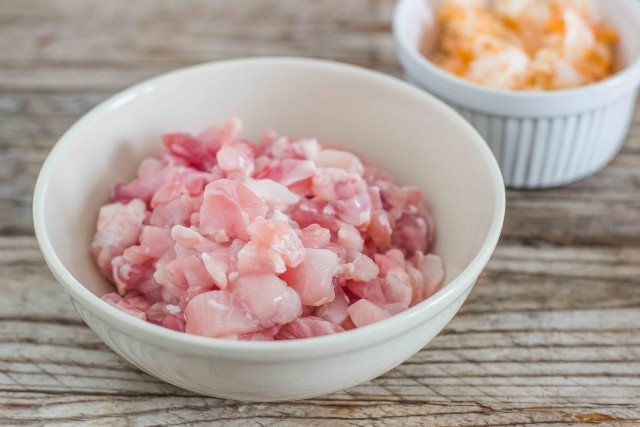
(540, 139)
(399, 127)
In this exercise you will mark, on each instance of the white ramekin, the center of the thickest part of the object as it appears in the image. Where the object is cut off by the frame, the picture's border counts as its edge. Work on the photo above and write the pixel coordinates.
(540, 139)
(397, 126)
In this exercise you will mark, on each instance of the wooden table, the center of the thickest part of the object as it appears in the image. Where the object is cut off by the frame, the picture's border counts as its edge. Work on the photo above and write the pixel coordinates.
(550, 334)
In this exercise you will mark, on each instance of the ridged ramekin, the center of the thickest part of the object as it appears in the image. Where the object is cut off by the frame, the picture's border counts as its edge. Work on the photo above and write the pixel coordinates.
(540, 139)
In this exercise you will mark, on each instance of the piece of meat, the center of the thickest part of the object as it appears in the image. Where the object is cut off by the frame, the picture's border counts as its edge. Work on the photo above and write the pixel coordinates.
(336, 310)
(307, 327)
(167, 315)
(371, 291)
(178, 211)
(132, 303)
(432, 270)
(276, 195)
(228, 209)
(329, 158)
(346, 192)
(179, 181)
(315, 236)
(119, 226)
(360, 268)
(133, 277)
(256, 259)
(287, 171)
(279, 236)
(268, 298)
(280, 240)
(154, 243)
(195, 152)
(313, 278)
(236, 158)
(396, 285)
(219, 314)
(364, 312)
(189, 273)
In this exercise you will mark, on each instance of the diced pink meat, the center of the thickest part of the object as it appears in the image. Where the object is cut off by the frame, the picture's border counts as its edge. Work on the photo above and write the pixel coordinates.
(222, 263)
(397, 287)
(314, 211)
(346, 193)
(193, 151)
(154, 243)
(315, 236)
(179, 181)
(339, 159)
(254, 258)
(119, 226)
(313, 278)
(218, 268)
(361, 268)
(432, 270)
(268, 298)
(275, 146)
(236, 158)
(349, 237)
(279, 236)
(133, 277)
(371, 291)
(307, 327)
(283, 239)
(176, 212)
(276, 195)
(364, 312)
(341, 252)
(410, 233)
(379, 229)
(134, 304)
(167, 315)
(418, 288)
(188, 274)
(334, 311)
(142, 188)
(219, 314)
(288, 171)
(228, 209)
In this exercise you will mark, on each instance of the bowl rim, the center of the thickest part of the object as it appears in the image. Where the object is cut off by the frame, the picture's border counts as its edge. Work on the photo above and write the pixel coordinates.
(309, 347)
(629, 74)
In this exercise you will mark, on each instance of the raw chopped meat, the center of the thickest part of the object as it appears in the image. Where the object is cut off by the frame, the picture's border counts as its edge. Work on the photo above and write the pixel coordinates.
(219, 314)
(313, 278)
(278, 235)
(284, 239)
(268, 298)
(307, 327)
(364, 312)
(228, 209)
(119, 226)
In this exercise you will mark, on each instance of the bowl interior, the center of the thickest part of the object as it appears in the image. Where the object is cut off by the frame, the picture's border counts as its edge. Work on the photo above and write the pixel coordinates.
(403, 130)
(421, 28)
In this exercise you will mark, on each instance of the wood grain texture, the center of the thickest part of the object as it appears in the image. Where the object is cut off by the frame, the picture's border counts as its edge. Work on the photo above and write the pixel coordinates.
(550, 334)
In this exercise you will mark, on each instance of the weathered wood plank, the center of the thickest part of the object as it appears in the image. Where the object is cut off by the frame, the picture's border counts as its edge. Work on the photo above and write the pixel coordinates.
(502, 349)
(77, 410)
(48, 46)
